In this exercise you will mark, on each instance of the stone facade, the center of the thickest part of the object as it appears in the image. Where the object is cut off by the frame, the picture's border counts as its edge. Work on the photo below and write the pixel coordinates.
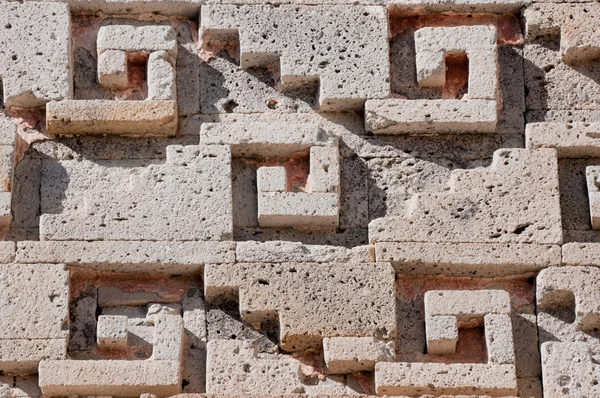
(299, 199)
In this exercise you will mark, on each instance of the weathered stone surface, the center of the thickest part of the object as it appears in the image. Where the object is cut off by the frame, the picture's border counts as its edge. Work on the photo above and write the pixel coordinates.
(155, 203)
(187, 8)
(550, 82)
(593, 182)
(112, 69)
(571, 140)
(43, 310)
(136, 118)
(22, 356)
(464, 259)
(485, 205)
(265, 139)
(132, 36)
(581, 254)
(117, 377)
(365, 65)
(112, 330)
(478, 42)
(578, 40)
(136, 257)
(568, 309)
(35, 38)
(234, 367)
(569, 370)
(35, 312)
(282, 209)
(305, 317)
(401, 116)
(458, 6)
(356, 354)
(439, 378)
(283, 251)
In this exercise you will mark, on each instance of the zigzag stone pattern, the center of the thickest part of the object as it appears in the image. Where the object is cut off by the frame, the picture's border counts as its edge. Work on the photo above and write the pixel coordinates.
(299, 198)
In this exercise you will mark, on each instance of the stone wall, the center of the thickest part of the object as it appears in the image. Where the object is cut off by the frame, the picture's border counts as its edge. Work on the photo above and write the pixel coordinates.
(299, 198)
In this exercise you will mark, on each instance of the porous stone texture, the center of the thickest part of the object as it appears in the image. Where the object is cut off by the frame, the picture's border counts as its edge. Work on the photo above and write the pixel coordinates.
(306, 316)
(285, 46)
(151, 204)
(299, 198)
(485, 205)
(35, 38)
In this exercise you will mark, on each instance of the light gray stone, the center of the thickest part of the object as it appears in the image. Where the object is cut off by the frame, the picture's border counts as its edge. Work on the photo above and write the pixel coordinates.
(402, 116)
(356, 354)
(486, 205)
(365, 65)
(283, 251)
(339, 292)
(467, 259)
(35, 38)
(136, 257)
(156, 203)
(571, 140)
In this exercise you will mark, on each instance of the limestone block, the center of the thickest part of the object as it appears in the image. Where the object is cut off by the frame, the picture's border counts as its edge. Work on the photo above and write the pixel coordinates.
(119, 378)
(442, 334)
(457, 6)
(575, 23)
(26, 387)
(34, 311)
(328, 309)
(284, 251)
(133, 36)
(402, 116)
(549, 82)
(168, 338)
(259, 139)
(465, 259)
(194, 317)
(282, 209)
(304, 42)
(568, 304)
(515, 200)
(40, 313)
(154, 309)
(5, 208)
(465, 305)
(113, 296)
(161, 77)
(581, 254)
(569, 370)
(135, 118)
(571, 140)
(324, 174)
(121, 256)
(161, 374)
(432, 44)
(22, 356)
(415, 379)
(156, 203)
(319, 205)
(35, 38)
(499, 339)
(112, 69)
(446, 312)
(271, 179)
(235, 367)
(112, 330)
(592, 174)
(187, 8)
(355, 354)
